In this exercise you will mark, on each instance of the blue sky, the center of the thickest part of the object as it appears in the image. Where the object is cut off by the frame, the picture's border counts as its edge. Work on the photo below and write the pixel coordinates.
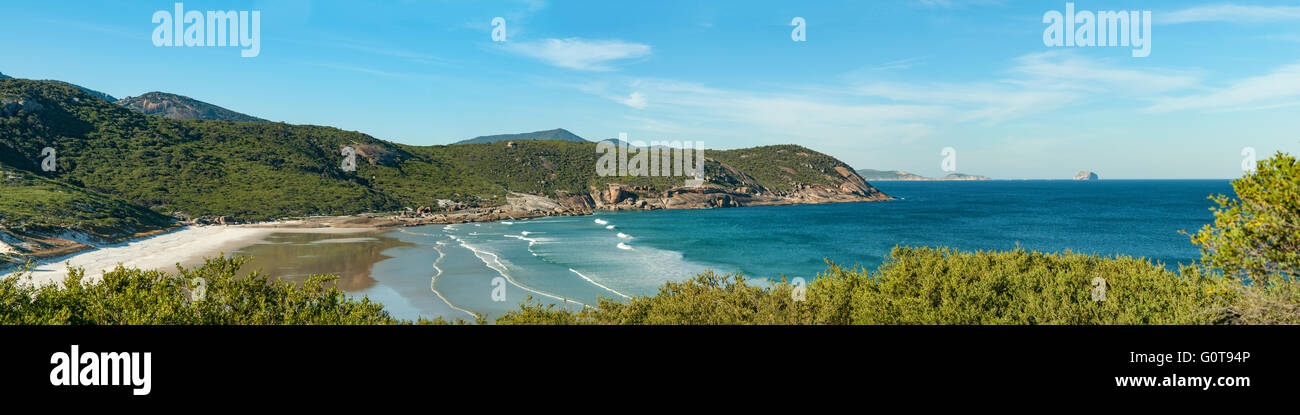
(879, 84)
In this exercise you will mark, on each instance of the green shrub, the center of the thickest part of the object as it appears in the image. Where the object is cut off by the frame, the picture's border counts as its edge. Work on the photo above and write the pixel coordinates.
(1256, 235)
(707, 299)
(930, 286)
(132, 296)
(941, 286)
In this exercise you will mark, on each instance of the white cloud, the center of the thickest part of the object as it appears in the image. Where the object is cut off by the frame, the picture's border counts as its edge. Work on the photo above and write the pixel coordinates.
(1233, 13)
(580, 54)
(634, 100)
(1060, 70)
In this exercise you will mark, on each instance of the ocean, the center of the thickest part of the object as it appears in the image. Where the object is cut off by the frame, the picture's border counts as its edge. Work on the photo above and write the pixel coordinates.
(453, 271)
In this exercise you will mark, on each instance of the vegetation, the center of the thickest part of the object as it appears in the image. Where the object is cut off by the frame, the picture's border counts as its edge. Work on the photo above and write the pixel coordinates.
(1256, 235)
(132, 296)
(32, 203)
(263, 170)
(930, 286)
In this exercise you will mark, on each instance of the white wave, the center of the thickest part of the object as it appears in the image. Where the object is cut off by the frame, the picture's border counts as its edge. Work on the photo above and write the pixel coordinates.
(530, 240)
(624, 246)
(501, 269)
(624, 235)
(598, 284)
(507, 223)
(525, 233)
(609, 227)
(433, 284)
(602, 221)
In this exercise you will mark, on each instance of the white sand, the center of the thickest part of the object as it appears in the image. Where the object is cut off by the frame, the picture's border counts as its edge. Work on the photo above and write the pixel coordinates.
(162, 252)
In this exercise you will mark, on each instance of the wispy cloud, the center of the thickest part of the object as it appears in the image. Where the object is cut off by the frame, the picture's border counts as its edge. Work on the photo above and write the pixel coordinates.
(691, 110)
(579, 54)
(1233, 13)
(1037, 83)
(634, 100)
(1276, 89)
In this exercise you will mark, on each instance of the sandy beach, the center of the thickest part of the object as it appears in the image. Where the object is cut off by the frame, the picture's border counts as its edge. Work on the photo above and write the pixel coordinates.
(186, 246)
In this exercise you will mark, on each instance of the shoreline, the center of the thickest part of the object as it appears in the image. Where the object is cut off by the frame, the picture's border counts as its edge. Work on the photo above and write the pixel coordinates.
(188, 244)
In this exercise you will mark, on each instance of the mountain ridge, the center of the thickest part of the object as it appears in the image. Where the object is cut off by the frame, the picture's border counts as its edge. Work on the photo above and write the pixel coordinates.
(181, 107)
(552, 134)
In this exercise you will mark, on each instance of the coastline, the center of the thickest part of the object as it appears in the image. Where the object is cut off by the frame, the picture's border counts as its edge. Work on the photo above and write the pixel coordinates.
(188, 244)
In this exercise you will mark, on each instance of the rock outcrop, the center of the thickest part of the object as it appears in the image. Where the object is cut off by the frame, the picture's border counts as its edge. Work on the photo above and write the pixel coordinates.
(9, 106)
(1085, 175)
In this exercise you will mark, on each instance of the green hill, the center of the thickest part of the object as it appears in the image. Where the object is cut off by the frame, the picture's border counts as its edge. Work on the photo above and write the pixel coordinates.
(262, 170)
(32, 207)
(181, 108)
(556, 134)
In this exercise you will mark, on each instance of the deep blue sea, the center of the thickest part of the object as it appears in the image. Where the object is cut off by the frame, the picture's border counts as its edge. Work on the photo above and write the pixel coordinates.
(448, 270)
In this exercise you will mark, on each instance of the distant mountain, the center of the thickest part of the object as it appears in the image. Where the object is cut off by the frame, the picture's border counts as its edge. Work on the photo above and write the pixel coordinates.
(97, 94)
(556, 134)
(3, 76)
(871, 174)
(888, 175)
(181, 108)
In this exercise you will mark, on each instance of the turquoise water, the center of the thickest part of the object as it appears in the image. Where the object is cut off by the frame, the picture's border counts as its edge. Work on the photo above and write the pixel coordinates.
(448, 270)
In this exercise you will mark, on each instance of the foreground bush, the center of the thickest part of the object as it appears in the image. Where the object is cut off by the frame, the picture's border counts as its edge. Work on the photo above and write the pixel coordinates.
(913, 286)
(932, 286)
(132, 296)
(1256, 234)
(940, 286)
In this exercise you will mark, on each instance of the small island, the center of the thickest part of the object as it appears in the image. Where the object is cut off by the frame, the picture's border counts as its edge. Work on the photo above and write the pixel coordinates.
(1085, 175)
(899, 175)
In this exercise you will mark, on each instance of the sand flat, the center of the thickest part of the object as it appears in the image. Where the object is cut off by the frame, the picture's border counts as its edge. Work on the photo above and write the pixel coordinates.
(186, 246)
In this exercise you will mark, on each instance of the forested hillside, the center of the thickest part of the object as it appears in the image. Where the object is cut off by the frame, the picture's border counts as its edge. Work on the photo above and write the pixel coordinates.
(264, 170)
